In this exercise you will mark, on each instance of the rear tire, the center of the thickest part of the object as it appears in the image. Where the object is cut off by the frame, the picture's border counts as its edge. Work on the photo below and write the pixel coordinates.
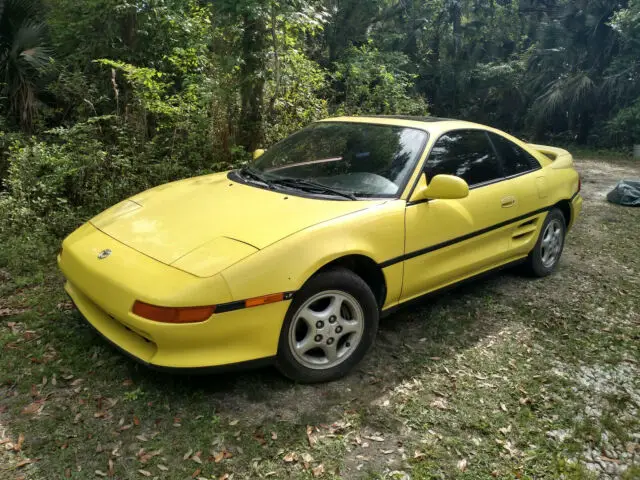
(329, 327)
(545, 256)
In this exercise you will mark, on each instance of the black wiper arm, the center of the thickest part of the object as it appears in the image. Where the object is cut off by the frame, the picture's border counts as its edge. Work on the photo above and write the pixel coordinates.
(307, 185)
(247, 172)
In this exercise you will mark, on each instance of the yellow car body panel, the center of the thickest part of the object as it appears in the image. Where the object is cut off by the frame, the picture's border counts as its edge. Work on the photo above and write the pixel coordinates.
(214, 241)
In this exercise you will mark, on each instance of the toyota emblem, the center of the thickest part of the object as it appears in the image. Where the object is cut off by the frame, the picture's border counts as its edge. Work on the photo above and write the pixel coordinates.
(104, 254)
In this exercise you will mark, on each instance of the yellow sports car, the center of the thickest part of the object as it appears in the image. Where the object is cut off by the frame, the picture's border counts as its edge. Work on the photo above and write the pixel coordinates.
(293, 259)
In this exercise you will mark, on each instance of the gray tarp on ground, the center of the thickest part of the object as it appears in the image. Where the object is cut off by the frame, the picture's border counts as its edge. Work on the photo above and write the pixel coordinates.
(627, 193)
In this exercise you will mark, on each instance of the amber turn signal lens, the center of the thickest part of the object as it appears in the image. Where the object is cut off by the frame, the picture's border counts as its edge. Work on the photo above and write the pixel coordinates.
(254, 302)
(173, 314)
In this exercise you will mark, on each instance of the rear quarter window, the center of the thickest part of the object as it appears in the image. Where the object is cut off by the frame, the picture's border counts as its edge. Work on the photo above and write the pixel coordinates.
(515, 160)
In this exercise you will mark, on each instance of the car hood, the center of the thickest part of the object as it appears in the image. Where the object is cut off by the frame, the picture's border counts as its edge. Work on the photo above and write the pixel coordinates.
(205, 224)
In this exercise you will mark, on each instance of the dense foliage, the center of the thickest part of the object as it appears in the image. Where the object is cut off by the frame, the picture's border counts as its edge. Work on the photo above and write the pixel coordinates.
(103, 98)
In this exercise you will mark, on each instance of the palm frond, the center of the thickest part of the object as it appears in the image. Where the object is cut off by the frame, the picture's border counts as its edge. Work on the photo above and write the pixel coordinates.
(580, 88)
(553, 99)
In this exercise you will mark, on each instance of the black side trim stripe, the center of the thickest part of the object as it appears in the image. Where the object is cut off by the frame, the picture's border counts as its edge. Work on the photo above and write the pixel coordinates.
(453, 241)
(440, 291)
(240, 304)
(574, 196)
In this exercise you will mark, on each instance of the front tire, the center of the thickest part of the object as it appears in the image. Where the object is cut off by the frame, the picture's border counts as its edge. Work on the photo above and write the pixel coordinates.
(545, 256)
(329, 327)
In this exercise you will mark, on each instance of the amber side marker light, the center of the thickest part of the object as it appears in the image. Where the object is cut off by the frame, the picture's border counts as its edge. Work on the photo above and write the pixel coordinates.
(273, 298)
(173, 314)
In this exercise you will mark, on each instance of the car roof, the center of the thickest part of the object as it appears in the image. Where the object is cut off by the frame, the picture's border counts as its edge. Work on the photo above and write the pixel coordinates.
(430, 124)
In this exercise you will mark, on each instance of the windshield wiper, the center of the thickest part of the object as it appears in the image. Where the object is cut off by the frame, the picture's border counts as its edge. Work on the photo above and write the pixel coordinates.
(247, 172)
(311, 186)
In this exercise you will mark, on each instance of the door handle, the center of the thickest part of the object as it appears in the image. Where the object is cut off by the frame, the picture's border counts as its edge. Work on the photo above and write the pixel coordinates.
(508, 202)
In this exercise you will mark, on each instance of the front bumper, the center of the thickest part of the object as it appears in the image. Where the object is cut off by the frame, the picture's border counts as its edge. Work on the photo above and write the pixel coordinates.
(104, 292)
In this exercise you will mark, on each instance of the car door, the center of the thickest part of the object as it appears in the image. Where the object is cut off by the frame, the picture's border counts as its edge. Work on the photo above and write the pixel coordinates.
(524, 175)
(449, 240)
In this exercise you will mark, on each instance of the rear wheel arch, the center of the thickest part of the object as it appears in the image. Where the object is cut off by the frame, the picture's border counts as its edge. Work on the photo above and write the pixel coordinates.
(366, 268)
(565, 207)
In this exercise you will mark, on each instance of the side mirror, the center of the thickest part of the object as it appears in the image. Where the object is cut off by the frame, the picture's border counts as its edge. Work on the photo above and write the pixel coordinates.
(441, 186)
(258, 153)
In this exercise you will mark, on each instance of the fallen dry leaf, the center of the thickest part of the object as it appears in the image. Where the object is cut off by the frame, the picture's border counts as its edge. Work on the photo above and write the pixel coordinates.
(503, 407)
(259, 436)
(22, 463)
(188, 454)
(313, 439)
(8, 312)
(196, 473)
(127, 382)
(100, 473)
(218, 457)
(274, 436)
(145, 457)
(33, 407)
(439, 403)
(224, 476)
(233, 423)
(376, 437)
(608, 459)
(136, 421)
(291, 457)
(66, 306)
(462, 465)
(163, 468)
(318, 471)
(18, 446)
(146, 473)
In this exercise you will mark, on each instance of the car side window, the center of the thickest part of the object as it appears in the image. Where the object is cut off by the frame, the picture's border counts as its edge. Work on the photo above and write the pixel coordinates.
(467, 154)
(515, 160)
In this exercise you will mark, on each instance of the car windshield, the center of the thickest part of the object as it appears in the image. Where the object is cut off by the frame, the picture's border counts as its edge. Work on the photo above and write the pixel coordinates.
(356, 159)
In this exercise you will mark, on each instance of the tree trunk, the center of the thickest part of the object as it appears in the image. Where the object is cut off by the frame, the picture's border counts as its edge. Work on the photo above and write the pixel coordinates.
(252, 87)
(586, 122)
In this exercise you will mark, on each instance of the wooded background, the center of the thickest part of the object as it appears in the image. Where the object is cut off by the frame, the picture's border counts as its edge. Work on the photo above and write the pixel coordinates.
(103, 98)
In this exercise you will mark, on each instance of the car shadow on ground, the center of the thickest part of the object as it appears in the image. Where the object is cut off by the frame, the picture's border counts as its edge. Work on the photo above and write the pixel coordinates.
(409, 342)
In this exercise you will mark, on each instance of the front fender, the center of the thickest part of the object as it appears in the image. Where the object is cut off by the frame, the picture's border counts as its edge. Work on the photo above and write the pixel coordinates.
(285, 266)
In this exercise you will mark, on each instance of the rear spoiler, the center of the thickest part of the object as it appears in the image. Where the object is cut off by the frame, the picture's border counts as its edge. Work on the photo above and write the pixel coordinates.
(560, 158)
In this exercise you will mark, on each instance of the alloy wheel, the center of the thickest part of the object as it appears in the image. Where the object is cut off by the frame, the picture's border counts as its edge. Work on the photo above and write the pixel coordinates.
(326, 329)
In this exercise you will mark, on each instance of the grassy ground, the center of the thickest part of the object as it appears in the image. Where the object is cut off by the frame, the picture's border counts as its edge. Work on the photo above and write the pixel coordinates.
(508, 377)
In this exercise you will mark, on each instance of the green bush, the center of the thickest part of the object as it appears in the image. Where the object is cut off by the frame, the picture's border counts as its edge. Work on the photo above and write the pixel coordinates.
(624, 128)
(373, 82)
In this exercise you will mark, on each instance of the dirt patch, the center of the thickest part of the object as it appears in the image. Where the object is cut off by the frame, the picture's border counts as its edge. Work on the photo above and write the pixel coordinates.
(599, 178)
